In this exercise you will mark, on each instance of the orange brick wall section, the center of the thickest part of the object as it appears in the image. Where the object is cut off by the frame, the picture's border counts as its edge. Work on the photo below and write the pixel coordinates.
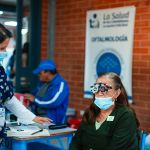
(44, 26)
(70, 49)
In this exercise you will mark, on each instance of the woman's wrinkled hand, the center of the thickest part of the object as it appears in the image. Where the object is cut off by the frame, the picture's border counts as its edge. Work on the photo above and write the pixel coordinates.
(42, 120)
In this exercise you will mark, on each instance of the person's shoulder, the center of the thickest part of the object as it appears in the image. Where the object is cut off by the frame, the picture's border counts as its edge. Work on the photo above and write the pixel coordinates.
(122, 109)
(126, 115)
(61, 78)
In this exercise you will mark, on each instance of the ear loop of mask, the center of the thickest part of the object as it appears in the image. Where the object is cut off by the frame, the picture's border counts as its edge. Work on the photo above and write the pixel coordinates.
(113, 96)
(118, 95)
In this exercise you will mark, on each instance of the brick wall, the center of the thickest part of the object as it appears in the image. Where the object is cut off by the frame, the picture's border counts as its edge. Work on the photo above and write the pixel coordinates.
(44, 26)
(70, 49)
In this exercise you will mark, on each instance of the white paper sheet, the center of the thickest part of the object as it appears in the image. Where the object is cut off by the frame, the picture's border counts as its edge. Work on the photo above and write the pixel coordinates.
(26, 131)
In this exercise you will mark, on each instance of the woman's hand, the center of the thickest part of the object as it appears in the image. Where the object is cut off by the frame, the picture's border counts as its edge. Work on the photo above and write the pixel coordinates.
(42, 120)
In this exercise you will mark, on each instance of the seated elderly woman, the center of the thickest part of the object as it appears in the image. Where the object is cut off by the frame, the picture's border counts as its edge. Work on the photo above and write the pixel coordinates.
(108, 123)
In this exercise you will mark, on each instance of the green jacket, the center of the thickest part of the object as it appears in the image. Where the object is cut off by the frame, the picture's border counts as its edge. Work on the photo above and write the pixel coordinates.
(119, 133)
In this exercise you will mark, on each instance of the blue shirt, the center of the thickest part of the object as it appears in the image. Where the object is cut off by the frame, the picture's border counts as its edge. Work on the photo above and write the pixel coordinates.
(52, 98)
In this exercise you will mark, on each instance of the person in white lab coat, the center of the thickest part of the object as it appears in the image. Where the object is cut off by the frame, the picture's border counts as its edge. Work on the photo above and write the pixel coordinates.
(7, 98)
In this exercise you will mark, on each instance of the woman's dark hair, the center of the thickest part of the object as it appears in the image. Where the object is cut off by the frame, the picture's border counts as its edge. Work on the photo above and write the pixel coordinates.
(92, 112)
(4, 33)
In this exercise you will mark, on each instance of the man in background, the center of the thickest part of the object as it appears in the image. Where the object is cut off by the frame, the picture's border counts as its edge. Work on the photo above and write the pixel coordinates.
(50, 97)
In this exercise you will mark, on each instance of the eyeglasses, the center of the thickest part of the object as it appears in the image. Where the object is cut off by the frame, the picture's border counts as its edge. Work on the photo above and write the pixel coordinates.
(102, 87)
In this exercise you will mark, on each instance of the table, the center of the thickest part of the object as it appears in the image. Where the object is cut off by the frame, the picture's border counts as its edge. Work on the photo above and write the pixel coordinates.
(20, 143)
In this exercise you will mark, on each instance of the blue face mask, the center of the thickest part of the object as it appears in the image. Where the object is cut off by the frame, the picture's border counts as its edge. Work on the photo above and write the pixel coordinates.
(103, 103)
(2, 56)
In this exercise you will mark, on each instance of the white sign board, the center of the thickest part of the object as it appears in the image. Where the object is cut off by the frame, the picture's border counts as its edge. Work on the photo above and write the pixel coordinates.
(109, 44)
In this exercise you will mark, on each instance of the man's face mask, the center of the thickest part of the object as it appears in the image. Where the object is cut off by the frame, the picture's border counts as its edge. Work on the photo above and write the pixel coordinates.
(102, 87)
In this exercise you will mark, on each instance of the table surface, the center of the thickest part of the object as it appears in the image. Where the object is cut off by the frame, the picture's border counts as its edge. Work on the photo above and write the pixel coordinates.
(56, 132)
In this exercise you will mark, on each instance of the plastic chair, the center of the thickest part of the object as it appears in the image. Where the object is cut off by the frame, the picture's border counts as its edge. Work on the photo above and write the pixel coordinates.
(142, 138)
(74, 122)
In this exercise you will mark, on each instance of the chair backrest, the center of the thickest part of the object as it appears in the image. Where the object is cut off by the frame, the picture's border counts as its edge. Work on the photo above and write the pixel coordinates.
(142, 139)
(21, 98)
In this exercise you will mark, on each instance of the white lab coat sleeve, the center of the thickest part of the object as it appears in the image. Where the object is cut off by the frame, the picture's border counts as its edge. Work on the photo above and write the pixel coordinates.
(18, 109)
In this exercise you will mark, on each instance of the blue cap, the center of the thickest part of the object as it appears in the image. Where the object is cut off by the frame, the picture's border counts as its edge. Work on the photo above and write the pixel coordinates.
(45, 65)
